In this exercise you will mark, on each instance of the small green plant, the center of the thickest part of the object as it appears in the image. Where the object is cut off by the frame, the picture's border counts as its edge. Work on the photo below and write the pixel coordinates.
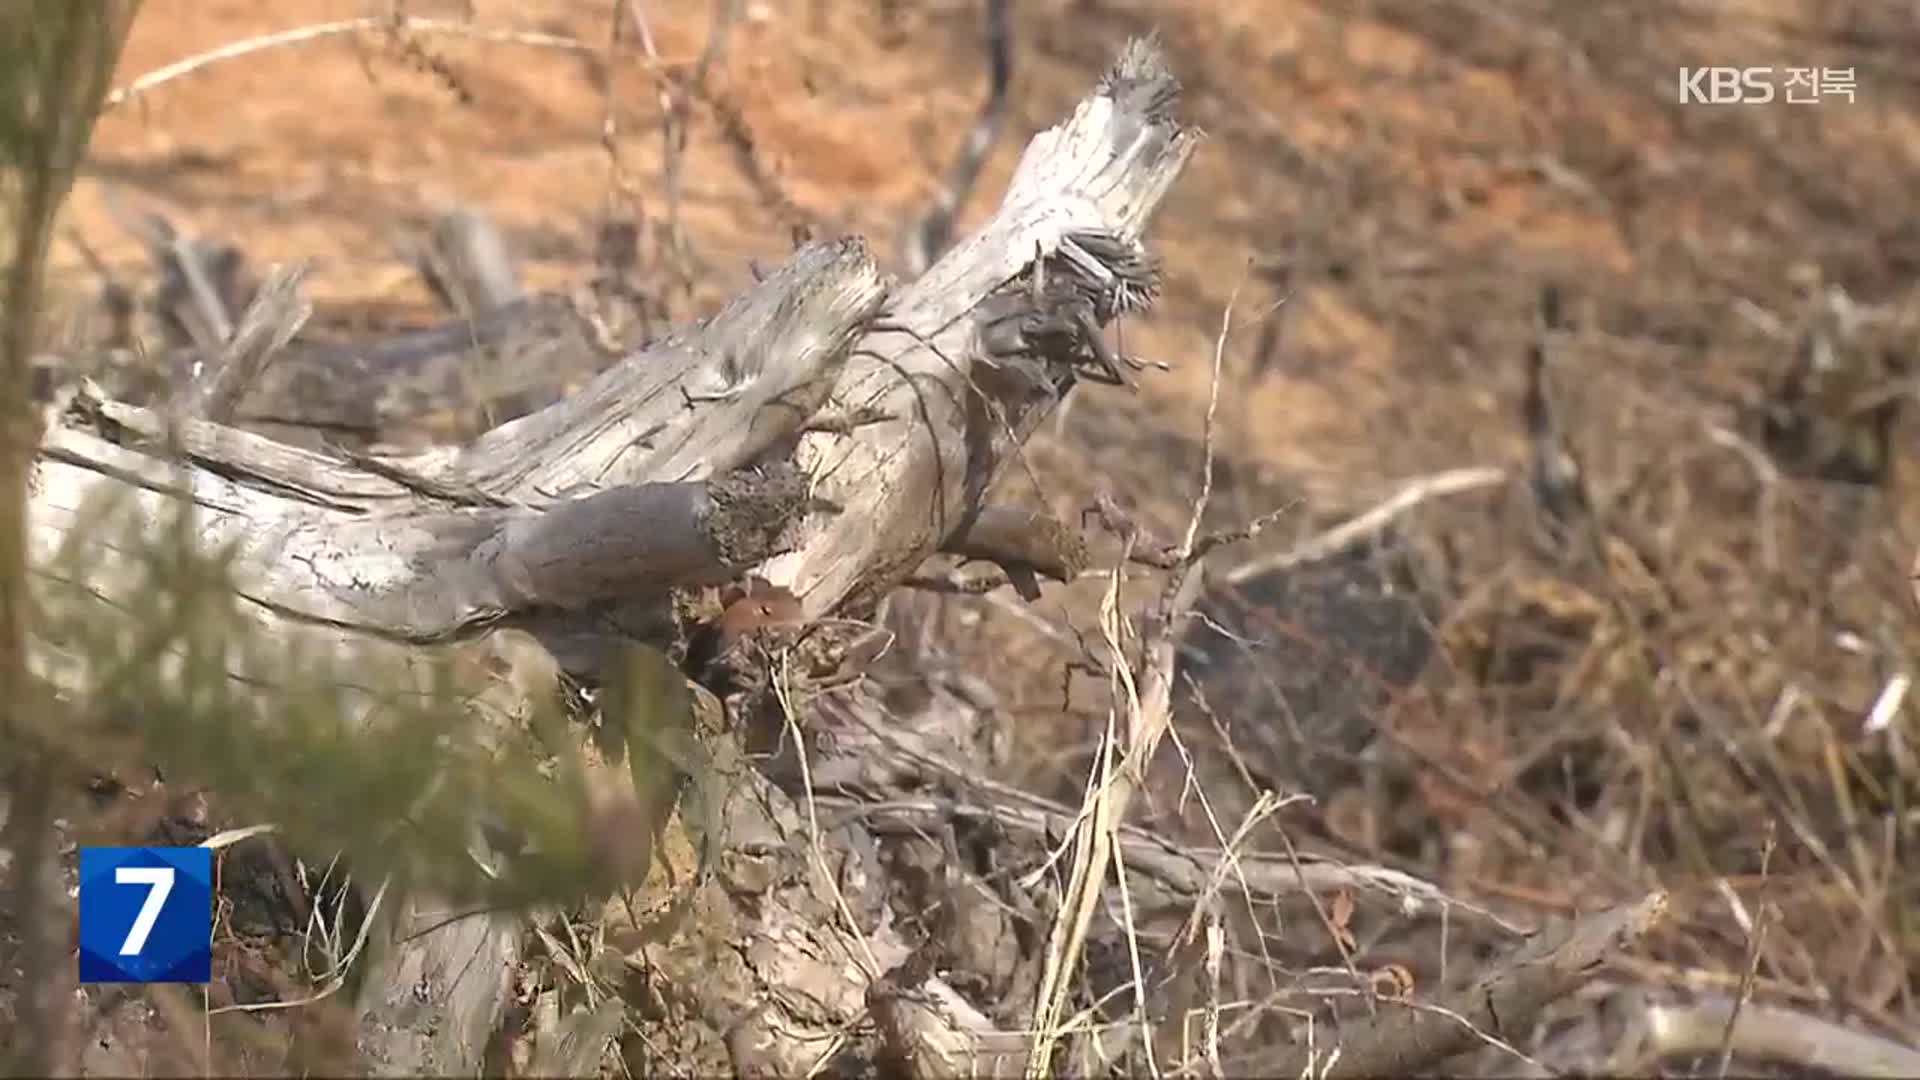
(55, 59)
(386, 755)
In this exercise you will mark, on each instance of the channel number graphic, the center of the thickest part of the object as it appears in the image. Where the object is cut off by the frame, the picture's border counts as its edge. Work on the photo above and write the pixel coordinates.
(146, 915)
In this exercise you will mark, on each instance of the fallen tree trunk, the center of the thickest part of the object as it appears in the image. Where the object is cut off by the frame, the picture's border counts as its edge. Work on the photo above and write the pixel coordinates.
(819, 431)
(378, 568)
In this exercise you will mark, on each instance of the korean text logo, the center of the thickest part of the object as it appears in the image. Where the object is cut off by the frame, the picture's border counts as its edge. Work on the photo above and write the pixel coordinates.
(146, 915)
(1763, 85)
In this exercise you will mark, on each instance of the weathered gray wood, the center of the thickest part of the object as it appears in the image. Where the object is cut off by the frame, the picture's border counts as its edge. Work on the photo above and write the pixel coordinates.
(435, 1008)
(467, 263)
(276, 314)
(650, 476)
(958, 407)
(354, 559)
(405, 564)
(1509, 996)
(697, 403)
(420, 548)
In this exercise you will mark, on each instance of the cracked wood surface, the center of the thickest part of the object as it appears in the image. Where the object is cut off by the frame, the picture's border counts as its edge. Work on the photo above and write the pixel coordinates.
(603, 492)
(612, 494)
(365, 560)
(954, 413)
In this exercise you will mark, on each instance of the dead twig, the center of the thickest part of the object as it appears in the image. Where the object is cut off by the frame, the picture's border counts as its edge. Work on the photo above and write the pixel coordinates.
(202, 285)
(1333, 541)
(1547, 966)
(1756, 936)
(924, 241)
(396, 22)
(672, 99)
(1774, 1033)
(1022, 543)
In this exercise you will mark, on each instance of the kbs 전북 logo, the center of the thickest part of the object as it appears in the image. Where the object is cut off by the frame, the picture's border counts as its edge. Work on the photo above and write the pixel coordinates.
(146, 915)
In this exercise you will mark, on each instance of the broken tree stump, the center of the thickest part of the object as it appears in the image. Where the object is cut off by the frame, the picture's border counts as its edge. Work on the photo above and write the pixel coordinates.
(819, 431)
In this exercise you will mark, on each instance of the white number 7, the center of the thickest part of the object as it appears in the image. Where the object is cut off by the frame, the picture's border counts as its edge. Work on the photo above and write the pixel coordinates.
(160, 879)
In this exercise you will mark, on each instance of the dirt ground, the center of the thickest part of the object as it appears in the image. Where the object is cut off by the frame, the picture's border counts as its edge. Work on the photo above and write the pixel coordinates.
(1569, 711)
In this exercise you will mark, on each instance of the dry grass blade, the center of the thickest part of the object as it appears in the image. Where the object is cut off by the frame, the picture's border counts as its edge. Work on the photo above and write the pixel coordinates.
(1914, 575)
(1145, 693)
(1092, 853)
(1757, 935)
(817, 855)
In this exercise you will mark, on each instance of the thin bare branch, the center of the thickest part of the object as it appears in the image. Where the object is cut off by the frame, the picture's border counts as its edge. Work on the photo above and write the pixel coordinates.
(1334, 540)
(396, 22)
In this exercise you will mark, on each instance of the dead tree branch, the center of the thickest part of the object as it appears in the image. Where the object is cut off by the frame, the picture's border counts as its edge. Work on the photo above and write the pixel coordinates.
(1022, 543)
(927, 239)
(365, 559)
(276, 314)
(467, 264)
(970, 357)
(685, 464)
(1550, 964)
(1765, 1033)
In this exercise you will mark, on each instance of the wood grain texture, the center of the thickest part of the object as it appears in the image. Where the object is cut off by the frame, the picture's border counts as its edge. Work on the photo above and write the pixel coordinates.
(957, 411)
(687, 463)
